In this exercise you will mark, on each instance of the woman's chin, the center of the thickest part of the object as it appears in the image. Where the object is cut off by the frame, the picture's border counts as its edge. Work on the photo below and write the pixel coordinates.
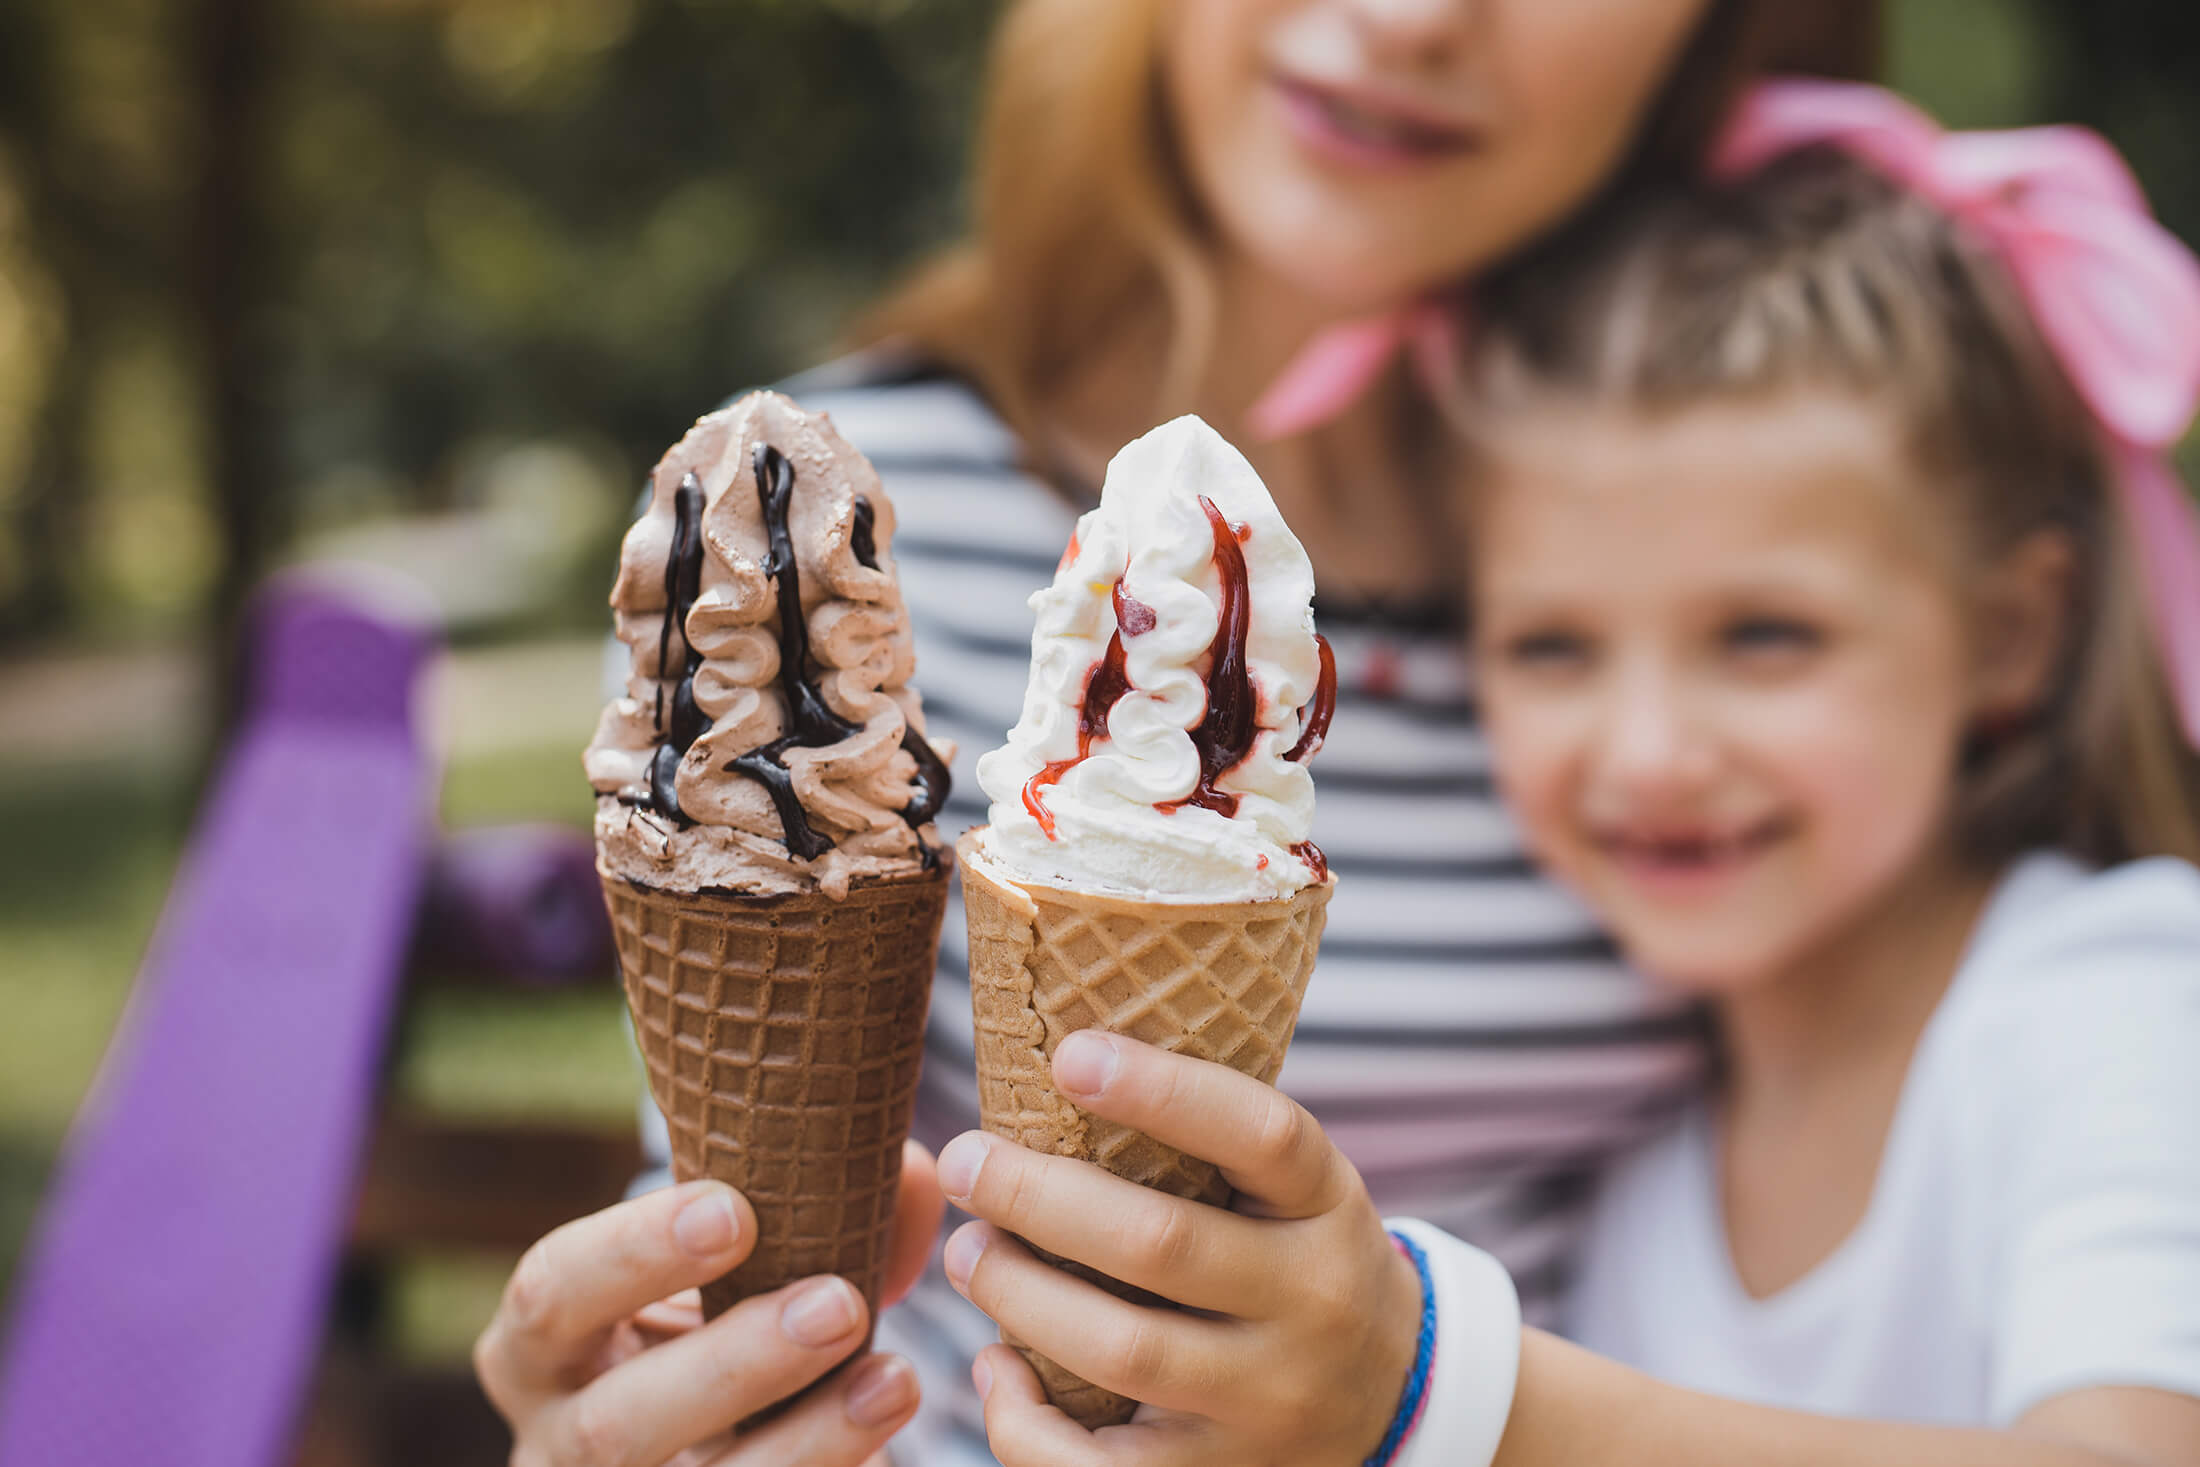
(1350, 259)
(1346, 278)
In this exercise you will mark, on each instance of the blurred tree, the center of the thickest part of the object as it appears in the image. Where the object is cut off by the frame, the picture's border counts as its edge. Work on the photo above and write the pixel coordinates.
(227, 262)
(2132, 69)
(302, 256)
(2125, 67)
(54, 229)
(595, 213)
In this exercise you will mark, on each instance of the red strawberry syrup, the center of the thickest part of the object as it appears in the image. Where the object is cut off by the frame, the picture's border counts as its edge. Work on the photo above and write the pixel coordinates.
(1105, 686)
(1225, 736)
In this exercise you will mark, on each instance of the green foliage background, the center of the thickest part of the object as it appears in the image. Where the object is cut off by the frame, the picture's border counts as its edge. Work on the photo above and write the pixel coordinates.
(410, 229)
(273, 267)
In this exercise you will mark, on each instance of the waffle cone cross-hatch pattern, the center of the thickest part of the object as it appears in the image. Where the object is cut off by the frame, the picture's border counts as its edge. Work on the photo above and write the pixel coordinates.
(783, 1037)
(1220, 981)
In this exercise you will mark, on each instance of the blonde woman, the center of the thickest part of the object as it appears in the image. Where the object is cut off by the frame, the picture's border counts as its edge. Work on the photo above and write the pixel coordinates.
(1236, 208)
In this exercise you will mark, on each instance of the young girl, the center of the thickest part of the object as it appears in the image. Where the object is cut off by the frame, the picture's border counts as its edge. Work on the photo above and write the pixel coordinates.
(1813, 660)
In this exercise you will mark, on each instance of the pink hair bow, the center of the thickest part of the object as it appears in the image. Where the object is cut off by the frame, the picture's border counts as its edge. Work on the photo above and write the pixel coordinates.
(2116, 295)
(1343, 361)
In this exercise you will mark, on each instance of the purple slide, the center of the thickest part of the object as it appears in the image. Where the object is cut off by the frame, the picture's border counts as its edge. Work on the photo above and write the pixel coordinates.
(170, 1307)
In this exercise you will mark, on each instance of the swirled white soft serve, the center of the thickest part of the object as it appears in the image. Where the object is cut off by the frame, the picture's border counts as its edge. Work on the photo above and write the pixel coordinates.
(1177, 691)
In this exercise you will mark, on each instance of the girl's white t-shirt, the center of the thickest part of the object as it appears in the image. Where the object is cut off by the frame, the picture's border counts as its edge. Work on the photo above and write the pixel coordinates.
(2035, 1224)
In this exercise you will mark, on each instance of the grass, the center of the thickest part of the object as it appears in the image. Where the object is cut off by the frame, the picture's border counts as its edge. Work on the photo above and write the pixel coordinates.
(92, 848)
(558, 1056)
(82, 875)
(522, 784)
(88, 858)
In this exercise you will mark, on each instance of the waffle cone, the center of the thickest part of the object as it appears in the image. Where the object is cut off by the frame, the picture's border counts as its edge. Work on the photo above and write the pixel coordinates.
(782, 1036)
(1221, 981)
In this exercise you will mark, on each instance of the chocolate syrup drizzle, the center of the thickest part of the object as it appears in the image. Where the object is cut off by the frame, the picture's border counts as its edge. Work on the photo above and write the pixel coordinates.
(861, 539)
(814, 724)
(683, 582)
(933, 780)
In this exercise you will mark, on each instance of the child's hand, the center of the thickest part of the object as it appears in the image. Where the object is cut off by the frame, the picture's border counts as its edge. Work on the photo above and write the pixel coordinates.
(1307, 1312)
(599, 1352)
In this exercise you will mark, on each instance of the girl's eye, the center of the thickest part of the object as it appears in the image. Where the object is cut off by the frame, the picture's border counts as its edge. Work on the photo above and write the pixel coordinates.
(1547, 649)
(1771, 636)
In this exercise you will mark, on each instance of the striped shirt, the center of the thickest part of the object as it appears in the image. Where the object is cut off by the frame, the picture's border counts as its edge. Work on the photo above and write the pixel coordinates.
(1469, 1040)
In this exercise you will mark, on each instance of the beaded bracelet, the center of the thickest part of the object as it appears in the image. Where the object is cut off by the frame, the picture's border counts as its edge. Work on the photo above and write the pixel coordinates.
(1415, 1397)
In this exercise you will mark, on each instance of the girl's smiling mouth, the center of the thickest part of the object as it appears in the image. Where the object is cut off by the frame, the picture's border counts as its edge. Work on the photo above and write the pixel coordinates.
(1687, 861)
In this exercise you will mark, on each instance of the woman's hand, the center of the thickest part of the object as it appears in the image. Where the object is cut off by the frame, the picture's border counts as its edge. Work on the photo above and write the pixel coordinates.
(1306, 1313)
(594, 1364)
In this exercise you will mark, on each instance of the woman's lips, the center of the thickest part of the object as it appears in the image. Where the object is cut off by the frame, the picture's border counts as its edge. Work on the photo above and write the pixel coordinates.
(1358, 128)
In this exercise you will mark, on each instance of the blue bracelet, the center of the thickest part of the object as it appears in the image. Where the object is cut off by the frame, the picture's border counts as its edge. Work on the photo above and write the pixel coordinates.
(1415, 1395)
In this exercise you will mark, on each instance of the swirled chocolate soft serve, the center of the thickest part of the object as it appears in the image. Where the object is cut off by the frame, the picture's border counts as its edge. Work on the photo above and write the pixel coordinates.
(768, 739)
(764, 809)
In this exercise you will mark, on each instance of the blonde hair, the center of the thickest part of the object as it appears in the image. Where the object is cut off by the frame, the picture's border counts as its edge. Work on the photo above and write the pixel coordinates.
(1818, 272)
(1086, 218)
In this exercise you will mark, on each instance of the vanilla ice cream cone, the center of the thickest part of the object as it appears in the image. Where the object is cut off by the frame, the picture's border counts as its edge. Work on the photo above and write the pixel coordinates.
(1219, 981)
(1148, 868)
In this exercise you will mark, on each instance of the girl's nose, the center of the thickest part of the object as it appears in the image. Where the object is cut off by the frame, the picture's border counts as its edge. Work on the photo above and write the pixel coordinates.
(1415, 30)
(1654, 749)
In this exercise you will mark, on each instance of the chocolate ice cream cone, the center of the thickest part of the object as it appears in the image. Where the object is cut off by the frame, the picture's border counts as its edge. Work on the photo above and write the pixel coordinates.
(764, 834)
(783, 1036)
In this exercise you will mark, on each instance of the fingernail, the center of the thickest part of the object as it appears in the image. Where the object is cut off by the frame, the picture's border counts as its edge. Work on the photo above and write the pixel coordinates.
(707, 1226)
(820, 1313)
(1084, 1063)
(882, 1389)
(981, 1376)
(964, 1250)
(960, 1163)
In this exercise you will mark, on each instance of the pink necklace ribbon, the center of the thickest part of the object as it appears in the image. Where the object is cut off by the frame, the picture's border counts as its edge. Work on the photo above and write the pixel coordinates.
(1339, 365)
(2116, 295)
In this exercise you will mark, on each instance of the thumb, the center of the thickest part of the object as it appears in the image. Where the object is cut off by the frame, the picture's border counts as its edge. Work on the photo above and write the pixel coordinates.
(1026, 1430)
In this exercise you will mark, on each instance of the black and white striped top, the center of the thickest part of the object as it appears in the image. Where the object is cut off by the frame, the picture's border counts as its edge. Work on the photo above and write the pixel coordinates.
(1468, 1039)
